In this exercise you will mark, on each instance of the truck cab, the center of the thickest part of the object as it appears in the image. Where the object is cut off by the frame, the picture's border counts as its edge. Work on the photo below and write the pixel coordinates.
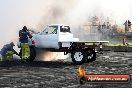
(54, 36)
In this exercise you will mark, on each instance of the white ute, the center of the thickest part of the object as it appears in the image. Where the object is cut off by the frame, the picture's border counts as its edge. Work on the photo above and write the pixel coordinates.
(53, 35)
(58, 38)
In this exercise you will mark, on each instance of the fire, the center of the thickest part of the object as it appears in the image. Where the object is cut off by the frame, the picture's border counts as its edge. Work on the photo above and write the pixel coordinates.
(46, 56)
(49, 56)
(81, 71)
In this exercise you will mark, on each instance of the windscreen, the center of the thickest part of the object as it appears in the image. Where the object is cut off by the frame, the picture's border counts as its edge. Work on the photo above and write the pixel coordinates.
(65, 29)
(50, 30)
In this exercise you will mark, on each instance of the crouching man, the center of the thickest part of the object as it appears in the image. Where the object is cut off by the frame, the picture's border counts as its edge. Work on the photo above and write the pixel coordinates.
(7, 52)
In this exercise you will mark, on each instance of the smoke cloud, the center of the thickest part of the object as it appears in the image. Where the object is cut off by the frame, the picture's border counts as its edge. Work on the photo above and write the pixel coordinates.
(37, 14)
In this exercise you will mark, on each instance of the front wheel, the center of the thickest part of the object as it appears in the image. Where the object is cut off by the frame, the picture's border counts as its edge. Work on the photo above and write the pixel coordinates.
(78, 56)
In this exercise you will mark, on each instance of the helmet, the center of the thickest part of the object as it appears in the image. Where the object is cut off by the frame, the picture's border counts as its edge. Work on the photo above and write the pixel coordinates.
(24, 28)
(12, 44)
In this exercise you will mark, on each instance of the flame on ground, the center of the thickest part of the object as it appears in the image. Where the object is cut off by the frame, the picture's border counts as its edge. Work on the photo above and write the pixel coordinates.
(81, 71)
(51, 56)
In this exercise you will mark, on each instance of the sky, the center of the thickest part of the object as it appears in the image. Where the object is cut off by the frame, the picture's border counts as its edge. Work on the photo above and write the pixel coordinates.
(14, 14)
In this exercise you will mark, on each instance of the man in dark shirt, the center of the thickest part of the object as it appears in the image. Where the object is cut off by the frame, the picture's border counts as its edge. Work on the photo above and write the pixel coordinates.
(24, 35)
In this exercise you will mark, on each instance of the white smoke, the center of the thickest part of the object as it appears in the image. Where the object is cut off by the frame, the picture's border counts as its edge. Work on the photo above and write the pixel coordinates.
(38, 13)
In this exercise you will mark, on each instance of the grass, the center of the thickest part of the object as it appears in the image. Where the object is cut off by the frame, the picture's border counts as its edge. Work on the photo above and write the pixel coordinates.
(113, 44)
(118, 44)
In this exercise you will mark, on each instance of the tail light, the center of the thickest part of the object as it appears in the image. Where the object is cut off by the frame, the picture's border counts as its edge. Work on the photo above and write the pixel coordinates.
(33, 42)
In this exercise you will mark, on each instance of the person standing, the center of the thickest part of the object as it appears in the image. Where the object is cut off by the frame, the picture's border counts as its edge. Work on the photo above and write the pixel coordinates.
(24, 36)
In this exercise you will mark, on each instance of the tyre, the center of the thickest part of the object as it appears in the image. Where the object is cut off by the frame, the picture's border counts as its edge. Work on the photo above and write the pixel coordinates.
(91, 57)
(94, 56)
(78, 56)
(32, 54)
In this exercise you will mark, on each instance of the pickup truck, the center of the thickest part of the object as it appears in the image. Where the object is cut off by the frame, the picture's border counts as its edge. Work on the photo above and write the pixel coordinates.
(58, 38)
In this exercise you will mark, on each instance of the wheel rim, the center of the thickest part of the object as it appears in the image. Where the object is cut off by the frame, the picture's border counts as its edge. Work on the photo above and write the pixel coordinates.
(90, 56)
(78, 56)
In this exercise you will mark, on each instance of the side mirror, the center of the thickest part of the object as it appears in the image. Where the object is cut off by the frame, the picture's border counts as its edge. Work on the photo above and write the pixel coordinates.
(46, 32)
(38, 33)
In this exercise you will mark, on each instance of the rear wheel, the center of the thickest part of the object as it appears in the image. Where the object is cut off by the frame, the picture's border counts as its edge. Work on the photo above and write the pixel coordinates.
(78, 56)
(91, 57)
(94, 56)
